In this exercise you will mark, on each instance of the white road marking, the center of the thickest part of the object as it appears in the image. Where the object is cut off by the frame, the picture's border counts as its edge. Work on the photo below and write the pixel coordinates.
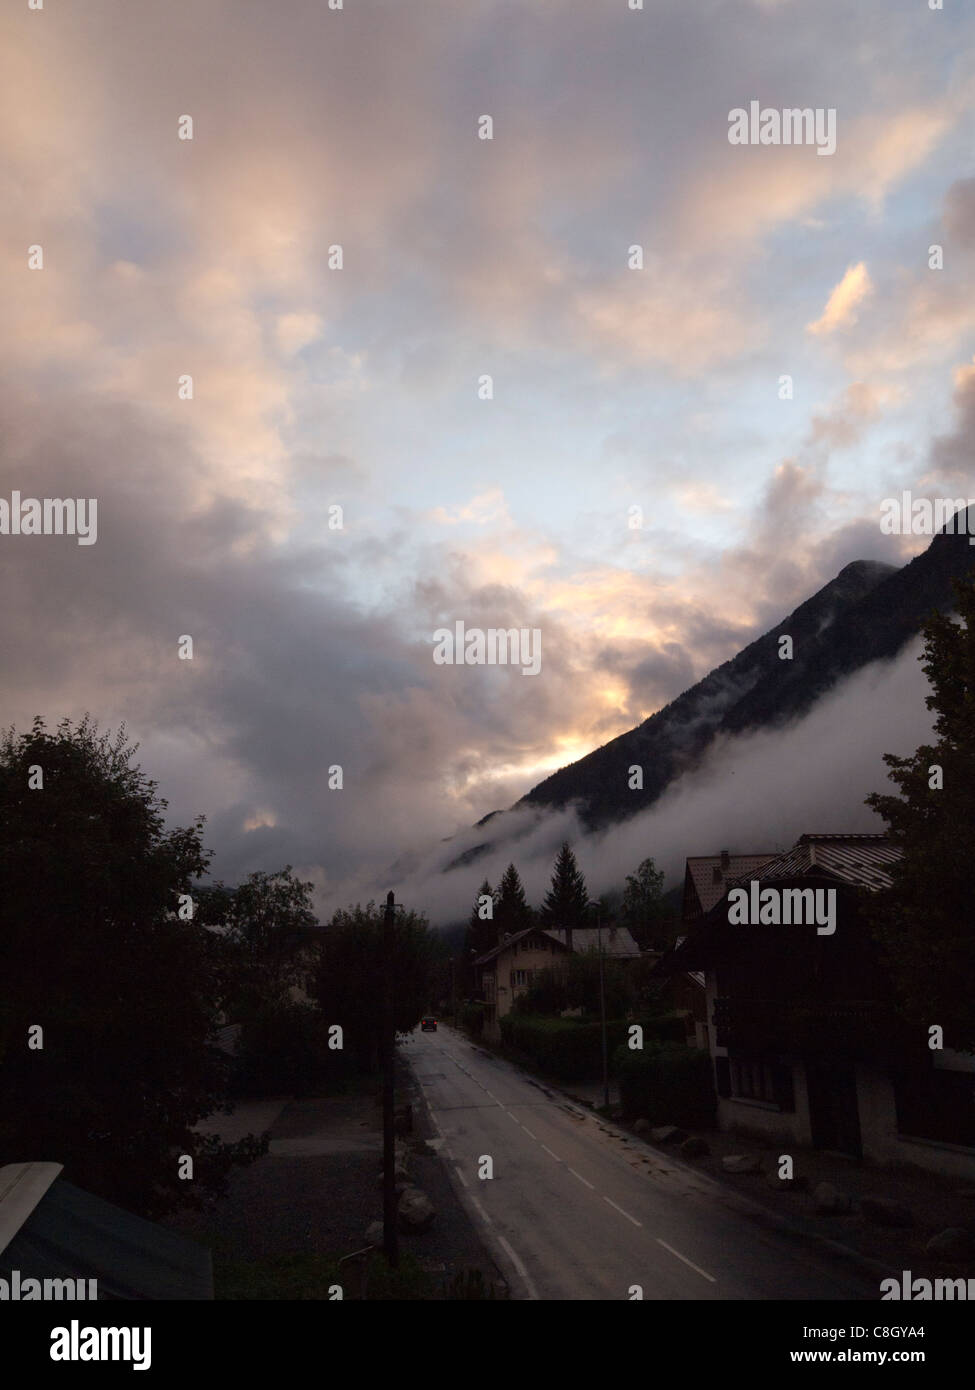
(483, 1214)
(460, 1174)
(622, 1212)
(589, 1184)
(511, 1116)
(551, 1154)
(519, 1266)
(529, 1133)
(690, 1263)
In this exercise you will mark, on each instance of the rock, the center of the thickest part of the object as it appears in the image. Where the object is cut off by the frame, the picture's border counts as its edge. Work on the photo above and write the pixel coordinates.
(375, 1233)
(694, 1147)
(829, 1200)
(793, 1184)
(415, 1210)
(953, 1241)
(885, 1211)
(641, 1127)
(667, 1134)
(741, 1163)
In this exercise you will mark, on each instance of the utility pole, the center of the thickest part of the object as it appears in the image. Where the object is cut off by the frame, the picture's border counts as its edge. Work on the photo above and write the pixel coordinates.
(602, 1007)
(390, 1233)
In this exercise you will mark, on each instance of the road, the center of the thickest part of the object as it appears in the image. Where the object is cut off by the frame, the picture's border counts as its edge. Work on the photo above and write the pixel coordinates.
(577, 1210)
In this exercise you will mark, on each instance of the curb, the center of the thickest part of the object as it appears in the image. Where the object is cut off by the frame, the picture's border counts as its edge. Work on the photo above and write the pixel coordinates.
(769, 1218)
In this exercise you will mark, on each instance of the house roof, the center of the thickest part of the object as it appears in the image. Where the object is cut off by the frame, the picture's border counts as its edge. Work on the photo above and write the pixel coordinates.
(864, 861)
(710, 887)
(506, 945)
(616, 941)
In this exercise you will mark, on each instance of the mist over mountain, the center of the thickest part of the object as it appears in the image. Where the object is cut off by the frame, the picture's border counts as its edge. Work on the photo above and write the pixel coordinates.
(869, 613)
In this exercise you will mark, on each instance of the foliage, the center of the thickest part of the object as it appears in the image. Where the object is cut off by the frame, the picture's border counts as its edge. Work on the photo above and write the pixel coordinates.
(567, 901)
(284, 1049)
(265, 924)
(511, 913)
(641, 907)
(666, 1083)
(471, 1018)
(569, 1049)
(924, 920)
(348, 982)
(482, 933)
(92, 949)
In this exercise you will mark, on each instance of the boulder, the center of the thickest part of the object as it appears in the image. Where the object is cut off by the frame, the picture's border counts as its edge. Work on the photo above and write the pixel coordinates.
(375, 1233)
(641, 1127)
(667, 1134)
(793, 1184)
(954, 1241)
(829, 1200)
(741, 1163)
(694, 1147)
(415, 1210)
(885, 1211)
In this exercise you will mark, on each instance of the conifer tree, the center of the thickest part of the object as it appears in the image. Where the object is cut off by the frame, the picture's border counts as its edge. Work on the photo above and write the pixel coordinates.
(925, 921)
(512, 912)
(567, 900)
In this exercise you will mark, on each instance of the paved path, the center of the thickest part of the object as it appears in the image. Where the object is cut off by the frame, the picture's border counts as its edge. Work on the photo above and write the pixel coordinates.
(576, 1210)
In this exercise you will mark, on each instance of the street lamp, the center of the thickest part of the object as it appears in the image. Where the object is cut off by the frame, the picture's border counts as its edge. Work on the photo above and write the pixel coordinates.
(597, 909)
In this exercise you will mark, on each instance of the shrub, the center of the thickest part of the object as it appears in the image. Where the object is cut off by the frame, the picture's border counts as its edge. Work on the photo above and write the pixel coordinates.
(471, 1018)
(284, 1048)
(666, 1083)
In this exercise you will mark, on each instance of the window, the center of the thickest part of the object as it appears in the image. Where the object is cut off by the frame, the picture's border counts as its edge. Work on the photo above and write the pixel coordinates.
(752, 1079)
(521, 977)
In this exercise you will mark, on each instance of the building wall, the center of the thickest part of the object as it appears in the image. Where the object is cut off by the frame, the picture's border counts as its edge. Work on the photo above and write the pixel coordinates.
(882, 1144)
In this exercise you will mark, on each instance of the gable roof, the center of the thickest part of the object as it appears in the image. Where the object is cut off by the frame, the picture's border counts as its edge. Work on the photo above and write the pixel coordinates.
(709, 888)
(617, 941)
(864, 861)
(508, 942)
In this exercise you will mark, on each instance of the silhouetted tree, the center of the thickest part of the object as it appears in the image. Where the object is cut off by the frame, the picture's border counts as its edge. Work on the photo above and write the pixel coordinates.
(511, 913)
(567, 901)
(925, 921)
(99, 949)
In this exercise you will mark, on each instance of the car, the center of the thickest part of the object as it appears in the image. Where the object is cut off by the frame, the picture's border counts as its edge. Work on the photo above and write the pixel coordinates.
(428, 1025)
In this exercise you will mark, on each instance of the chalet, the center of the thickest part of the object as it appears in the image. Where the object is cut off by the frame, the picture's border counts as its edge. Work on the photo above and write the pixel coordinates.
(511, 967)
(806, 1047)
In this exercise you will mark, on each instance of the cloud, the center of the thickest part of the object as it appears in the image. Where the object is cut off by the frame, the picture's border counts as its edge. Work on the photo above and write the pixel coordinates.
(843, 301)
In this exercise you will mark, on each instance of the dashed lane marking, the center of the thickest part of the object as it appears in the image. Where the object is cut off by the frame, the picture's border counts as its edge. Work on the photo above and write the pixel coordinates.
(690, 1263)
(618, 1208)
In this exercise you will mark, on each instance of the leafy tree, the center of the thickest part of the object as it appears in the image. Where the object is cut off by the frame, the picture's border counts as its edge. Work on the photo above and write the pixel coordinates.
(582, 983)
(924, 921)
(641, 907)
(349, 979)
(512, 913)
(567, 901)
(96, 950)
(266, 923)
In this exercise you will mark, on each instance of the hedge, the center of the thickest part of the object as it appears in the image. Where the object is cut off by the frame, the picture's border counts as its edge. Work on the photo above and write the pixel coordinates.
(666, 1083)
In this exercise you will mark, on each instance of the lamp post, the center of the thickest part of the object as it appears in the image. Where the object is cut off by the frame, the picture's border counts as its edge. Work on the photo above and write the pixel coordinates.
(597, 909)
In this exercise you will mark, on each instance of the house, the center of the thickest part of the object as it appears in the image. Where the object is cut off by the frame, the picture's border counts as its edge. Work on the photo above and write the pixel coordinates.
(511, 967)
(806, 1047)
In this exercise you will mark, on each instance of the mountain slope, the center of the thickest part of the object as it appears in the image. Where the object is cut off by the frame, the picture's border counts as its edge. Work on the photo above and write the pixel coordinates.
(867, 613)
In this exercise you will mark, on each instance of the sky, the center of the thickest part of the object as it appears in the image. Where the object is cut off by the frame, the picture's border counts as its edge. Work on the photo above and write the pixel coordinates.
(355, 394)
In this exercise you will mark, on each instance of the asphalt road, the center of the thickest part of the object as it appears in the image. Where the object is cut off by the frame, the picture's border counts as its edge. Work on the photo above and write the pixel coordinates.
(577, 1210)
